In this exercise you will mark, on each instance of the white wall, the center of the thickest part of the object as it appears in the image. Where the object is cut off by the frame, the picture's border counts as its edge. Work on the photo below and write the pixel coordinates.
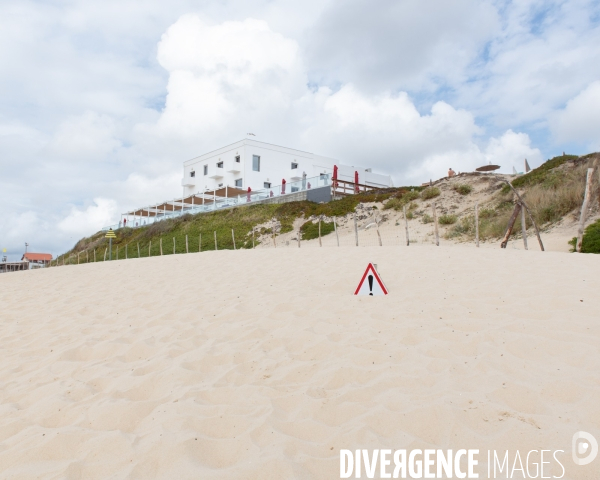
(275, 165)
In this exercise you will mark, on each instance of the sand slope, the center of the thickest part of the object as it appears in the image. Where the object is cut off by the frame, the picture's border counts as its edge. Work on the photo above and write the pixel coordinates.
(261, 364)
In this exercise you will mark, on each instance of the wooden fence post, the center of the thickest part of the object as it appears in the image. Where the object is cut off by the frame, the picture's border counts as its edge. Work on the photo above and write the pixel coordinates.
(173, 245)
(126, 253)
(160, 241)
(78, 257)
(406, 225)
(105, 250)
(378, 234)
(584, 207)
(150, 248)
(320, 244)
(187, 250)
(138, 245)
(511, 224)
(477, 224)
(199, 242)
(435, 225)
(215, 240)
(252, 238)
(87, 256)
(355, 230)
(233, 238)
(94, 256)
(524, 205)
(299, 234)
(336, 232)
(273, 234)
(524, 227)
(117, 252)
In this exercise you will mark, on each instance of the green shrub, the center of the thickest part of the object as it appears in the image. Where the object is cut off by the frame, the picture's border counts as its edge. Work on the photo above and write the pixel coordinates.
(430, 192)
(447, 219)
(398, 202)
(427, 219)
(591, 239)
(463, 188)
(487, 213)
(310, 230)
(410, 215)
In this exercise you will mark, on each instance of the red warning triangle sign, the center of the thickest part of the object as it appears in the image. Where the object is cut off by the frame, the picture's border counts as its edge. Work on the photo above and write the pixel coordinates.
(371, 283)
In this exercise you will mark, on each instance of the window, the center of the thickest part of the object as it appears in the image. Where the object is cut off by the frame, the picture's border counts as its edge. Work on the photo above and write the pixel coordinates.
(256, 163)
(205, 169)
(237, 159)
(238, 182)
(219, 164)
(294, 165)
(267, 185)
(295, 189)
(192, 174)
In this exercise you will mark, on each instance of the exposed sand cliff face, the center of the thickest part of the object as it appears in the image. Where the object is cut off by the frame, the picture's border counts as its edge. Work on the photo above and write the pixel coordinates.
(261, 364)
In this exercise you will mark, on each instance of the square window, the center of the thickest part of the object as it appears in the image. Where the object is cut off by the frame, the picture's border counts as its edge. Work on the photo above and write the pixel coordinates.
(192, 174)
(219, 164)
(294, 165)
(237, 159)
(266, 185)
(205, 169)
(256, 163)
(295, 189)
(238, 182)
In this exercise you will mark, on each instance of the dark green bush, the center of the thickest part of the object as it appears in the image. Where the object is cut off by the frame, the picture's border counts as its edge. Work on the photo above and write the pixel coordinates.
(310, 230)
(430, 192)
(463, 188)
(448, 219)
(591, 239)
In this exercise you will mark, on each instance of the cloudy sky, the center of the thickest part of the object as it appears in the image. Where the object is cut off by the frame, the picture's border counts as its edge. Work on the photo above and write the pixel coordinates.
(102, 101)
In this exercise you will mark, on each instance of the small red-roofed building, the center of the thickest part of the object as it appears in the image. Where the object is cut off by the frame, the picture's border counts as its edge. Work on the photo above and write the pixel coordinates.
(37, 260)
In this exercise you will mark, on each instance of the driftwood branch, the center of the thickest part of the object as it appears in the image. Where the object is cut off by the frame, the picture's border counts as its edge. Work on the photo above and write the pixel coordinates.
(522, 202)
(511, 224)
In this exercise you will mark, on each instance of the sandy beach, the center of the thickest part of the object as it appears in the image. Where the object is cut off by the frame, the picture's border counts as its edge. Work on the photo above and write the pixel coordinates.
(263, 365)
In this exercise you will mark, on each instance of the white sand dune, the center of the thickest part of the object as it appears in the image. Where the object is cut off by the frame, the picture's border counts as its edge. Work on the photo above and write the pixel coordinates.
(261, 364)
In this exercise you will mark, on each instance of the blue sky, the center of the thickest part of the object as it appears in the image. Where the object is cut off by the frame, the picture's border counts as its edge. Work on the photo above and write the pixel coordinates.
(101, 102)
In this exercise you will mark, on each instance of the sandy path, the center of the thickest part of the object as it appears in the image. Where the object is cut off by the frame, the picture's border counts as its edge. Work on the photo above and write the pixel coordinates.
(261, 364)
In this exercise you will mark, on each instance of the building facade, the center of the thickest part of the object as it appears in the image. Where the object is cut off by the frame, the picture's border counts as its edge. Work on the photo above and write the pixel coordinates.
(259, 165)
(36, 260)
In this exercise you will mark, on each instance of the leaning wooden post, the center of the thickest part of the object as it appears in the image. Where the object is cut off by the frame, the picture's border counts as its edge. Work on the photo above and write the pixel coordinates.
(320, 244)
(435, 226)
(524, 205)
(173, 245)
(477, 224)
(378, 234)
(524, 228)
(406, 225)
(511, 224)
(160, 241)
(233, 238)
(584, 207)
(215, 240)
(138, 245)
(355, 230)
(187, 250)
(336, 232)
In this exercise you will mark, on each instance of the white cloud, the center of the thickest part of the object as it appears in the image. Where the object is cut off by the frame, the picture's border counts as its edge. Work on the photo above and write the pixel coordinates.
(579, 121)
(82, 221)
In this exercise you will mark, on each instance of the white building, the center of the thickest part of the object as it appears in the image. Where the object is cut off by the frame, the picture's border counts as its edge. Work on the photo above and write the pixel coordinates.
(259, 165)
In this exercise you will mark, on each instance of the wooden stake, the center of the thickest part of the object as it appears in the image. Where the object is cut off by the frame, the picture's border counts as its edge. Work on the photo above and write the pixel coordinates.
(233, 238)
(406, 225)
(336, 232)
(126, 255)
(320, 244)
(87, 256)
(138, 245)
(355, 230)
(160, 245)
(511, 224)
(477, 224)
(105, 250)
(186, 244)
(253, 239)
(78, 257)
(94, 256)
(215, 240)
(584, 207)
(173, 245)
(199, 243)
(378, 235)
(274, 241)
(524, 205)
(435, 225)
(117, 252)
(150, 248)
(524, 228)
(299, 233)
